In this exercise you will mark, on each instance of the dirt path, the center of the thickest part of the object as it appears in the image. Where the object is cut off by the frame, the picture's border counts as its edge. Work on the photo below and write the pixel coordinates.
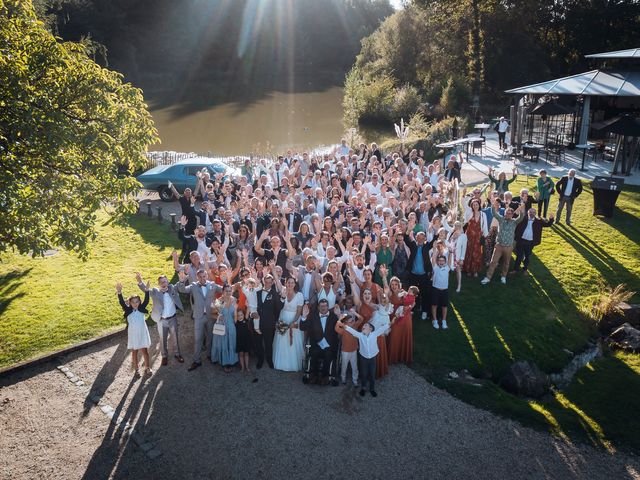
(207, 424)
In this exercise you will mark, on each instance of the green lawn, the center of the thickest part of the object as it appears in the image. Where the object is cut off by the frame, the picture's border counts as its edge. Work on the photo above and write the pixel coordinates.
(536, 317)
(49, 303)
(53, 302)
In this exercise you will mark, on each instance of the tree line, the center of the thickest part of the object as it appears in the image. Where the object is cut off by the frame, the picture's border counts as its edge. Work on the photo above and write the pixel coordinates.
(443, 56)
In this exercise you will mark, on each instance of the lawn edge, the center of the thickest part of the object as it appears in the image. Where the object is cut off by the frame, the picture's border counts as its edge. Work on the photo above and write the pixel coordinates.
(33, 362)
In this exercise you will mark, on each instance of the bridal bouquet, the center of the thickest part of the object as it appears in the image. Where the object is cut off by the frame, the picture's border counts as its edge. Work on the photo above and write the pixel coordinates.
(282, 327)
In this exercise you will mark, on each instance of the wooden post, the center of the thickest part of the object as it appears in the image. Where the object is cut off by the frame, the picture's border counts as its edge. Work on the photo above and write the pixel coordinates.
(159, 209)
(149, 212)
(173, 221)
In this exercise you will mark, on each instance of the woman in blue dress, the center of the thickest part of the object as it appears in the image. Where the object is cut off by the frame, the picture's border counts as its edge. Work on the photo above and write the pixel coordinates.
(223, 347)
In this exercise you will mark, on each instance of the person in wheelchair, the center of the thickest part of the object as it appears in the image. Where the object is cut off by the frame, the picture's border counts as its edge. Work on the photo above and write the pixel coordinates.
(323, 342)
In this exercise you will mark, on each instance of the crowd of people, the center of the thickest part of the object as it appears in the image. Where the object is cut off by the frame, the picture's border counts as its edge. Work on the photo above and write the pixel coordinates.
(321, 263)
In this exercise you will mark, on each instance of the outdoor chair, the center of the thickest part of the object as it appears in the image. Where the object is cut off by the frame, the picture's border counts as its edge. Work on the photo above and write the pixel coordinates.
(477, 144)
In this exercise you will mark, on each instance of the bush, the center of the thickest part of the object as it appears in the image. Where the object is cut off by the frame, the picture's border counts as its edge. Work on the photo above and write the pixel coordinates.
(455, 96)
(406, 102)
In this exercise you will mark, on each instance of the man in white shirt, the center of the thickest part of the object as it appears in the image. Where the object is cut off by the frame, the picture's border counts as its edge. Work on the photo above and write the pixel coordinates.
(503, 128)
(529, 234)
(569, 188)
(166, 303)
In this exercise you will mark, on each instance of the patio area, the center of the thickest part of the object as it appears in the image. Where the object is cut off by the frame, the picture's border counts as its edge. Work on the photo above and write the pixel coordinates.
(475, 171)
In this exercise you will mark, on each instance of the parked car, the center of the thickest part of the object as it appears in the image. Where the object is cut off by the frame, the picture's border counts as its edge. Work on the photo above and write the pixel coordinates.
(182, 175)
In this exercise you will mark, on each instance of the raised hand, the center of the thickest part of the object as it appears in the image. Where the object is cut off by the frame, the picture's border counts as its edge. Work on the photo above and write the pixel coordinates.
(118, 287)
(174, 255)
(336, 310)
(147, 286)
(138, 277)
(183, 220)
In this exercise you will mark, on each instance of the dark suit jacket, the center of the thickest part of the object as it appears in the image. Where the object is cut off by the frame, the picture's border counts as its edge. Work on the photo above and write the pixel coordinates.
(191, 243)
(562, 185)
(296, 218)
(269, 310)
(413, 246)
(128, 310)
(313, 326)
(537, 226)
(451, 173)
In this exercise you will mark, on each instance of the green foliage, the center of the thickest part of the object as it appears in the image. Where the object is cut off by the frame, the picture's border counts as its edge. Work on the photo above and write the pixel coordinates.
(455, 96)
(406, 101)
(490, 46)
(66, 128)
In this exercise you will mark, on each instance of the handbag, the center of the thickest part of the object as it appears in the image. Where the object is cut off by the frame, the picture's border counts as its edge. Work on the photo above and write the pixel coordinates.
(219, 329)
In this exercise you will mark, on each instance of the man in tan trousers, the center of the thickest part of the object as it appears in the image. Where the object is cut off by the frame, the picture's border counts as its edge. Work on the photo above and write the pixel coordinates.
(504, 243)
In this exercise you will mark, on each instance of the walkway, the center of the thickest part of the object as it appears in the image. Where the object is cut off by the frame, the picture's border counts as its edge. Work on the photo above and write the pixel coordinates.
(208, 424)
(476, 170)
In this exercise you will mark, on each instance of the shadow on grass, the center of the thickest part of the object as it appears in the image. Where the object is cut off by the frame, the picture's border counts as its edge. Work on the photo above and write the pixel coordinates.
(154, 232)
(610, 268)
(9, 282)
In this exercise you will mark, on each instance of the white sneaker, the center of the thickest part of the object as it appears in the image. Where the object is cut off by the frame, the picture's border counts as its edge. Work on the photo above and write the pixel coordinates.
(503, 280)
(444, 325)
(435, 324)
(484, 281)
(424, 315)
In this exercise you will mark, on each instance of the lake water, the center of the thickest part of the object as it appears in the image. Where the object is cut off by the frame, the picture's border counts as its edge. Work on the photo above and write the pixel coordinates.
(296, 120)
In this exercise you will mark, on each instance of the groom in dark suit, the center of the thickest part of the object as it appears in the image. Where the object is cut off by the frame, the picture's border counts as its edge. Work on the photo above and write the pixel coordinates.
(269, 305)
(323, 338)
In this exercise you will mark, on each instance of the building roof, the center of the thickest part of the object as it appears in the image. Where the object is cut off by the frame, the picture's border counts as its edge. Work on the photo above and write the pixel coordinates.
(595, 82)
(629, 53)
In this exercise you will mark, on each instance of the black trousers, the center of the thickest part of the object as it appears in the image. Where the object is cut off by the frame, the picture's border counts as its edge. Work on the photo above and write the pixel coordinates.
(523, 252)
(328, 358)
(543, 207)
(423, 282)
(263, 346)
(367, 368)
(501, 138)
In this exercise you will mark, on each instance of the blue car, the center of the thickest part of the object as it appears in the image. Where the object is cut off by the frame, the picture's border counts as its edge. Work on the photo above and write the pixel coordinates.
(181, 174)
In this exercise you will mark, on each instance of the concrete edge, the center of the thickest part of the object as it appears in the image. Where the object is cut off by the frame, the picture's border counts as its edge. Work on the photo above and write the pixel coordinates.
(7, 371)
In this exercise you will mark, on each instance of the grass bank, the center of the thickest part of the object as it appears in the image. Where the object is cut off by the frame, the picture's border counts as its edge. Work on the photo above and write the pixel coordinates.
(50, 303)
(536, 317)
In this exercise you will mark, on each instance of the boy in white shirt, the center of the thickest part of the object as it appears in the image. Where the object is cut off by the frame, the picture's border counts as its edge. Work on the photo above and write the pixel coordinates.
(440, 290)
(367, 353)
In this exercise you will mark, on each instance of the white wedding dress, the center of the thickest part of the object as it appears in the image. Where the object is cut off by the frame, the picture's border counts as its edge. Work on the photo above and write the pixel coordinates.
(288, 349)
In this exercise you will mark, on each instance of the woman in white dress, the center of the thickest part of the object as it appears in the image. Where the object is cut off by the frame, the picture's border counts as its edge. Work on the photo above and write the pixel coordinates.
(137, 334)
(288, 347)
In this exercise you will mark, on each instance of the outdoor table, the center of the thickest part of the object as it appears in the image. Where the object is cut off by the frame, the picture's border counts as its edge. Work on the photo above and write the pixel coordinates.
(482, 127)
(461, 141)
(585, 147)
(531, 150)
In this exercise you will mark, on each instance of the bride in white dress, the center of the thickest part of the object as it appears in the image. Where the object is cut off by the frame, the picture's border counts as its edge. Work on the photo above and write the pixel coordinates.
(288, 348)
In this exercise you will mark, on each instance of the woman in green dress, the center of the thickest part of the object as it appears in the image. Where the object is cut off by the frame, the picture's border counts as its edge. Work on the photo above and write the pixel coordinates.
(384, 256)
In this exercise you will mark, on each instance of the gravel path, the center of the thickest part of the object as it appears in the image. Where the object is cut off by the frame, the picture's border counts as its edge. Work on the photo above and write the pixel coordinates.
(208, 424)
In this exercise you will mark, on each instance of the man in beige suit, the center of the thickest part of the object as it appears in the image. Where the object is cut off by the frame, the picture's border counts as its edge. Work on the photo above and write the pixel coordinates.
(202, 296)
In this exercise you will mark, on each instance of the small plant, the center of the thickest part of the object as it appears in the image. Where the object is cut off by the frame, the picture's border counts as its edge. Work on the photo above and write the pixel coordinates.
(606, 302)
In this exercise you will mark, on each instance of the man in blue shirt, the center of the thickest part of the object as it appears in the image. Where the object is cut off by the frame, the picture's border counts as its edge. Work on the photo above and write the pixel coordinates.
(419, 268)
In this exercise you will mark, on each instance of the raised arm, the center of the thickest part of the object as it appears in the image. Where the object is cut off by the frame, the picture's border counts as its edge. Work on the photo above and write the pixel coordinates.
(120, 298)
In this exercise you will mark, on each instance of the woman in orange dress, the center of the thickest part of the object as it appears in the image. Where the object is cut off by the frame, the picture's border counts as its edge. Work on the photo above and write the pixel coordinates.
(400, 341)
(367, 308)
